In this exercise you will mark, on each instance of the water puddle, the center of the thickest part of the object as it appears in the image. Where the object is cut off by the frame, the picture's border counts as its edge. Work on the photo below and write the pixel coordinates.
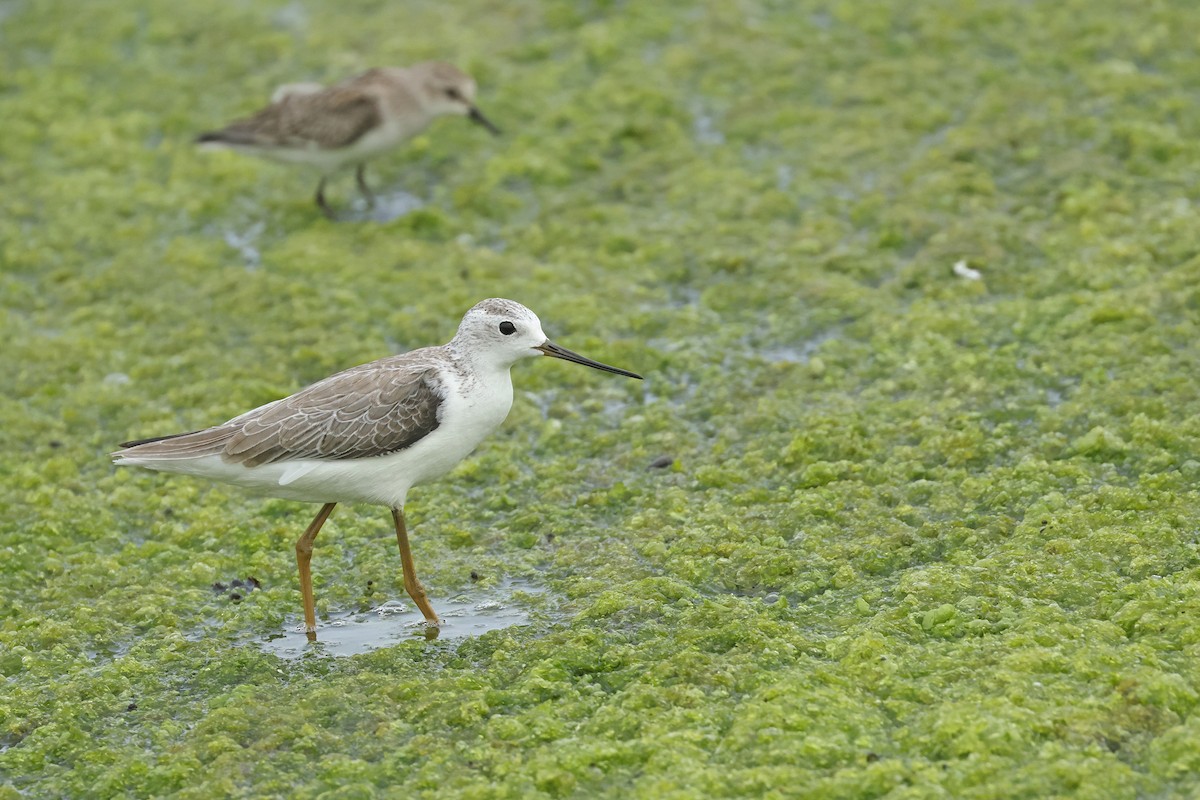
(801, 353)
(352, 632)
(8, 9)
(704, 128)
(388, 206)
(245, 243)
(291, 17)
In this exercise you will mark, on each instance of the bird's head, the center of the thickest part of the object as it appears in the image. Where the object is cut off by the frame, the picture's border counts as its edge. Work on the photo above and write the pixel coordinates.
(447, 90)
(503, 332)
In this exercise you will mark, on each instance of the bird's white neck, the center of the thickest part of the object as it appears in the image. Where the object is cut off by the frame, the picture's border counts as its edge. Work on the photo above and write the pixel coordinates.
(482, 366)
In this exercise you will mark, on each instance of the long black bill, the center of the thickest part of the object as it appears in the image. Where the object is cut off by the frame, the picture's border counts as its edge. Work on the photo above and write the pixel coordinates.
(475, 115)
(554, 351)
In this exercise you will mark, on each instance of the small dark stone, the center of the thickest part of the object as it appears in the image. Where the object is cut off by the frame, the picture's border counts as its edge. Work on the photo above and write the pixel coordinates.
(872, 758)
(237, 583)
(236, 597)
(253, 583)
(370, 584)
(131, 707)
(168, 512)
(54, 444)
(662, 462)
(219, 587)
(550, 537)
(475, 575)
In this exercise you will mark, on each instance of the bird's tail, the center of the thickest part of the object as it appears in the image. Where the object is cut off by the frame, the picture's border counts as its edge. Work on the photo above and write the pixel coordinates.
(136, 442)
(231, 136)
(195, 444)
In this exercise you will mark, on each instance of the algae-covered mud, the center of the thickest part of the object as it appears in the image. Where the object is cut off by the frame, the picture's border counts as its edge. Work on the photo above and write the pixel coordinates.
(922, 533)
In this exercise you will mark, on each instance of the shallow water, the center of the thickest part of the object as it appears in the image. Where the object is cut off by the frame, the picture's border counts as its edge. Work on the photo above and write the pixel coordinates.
(388, 206)
(245, 244)
(348, 633)
(800, 353)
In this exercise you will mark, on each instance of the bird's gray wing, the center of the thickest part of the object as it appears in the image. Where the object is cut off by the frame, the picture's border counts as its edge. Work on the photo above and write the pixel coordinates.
(364, 412)
(329, 119)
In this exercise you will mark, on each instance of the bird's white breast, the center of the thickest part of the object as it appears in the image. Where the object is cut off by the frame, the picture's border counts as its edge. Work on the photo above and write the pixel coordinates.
(390, 133)
(476, 405)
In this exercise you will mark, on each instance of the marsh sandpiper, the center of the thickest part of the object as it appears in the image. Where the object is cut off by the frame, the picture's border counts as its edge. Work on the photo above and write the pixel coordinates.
(351, 122)
(370, 433)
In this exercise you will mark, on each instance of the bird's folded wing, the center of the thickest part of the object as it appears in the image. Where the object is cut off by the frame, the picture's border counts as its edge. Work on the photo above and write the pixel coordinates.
(331, 119)
(360, 413)
(366, 411)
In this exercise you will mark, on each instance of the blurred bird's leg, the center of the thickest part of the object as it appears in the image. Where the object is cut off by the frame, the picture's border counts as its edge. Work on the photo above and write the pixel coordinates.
(360, 175)
(321, 199)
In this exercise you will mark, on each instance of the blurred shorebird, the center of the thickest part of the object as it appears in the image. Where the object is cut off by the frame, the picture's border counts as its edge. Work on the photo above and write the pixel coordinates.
(352, 121)
(370, 433)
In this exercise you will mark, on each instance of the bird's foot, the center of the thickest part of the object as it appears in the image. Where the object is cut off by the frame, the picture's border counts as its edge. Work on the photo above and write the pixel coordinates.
(430, 628)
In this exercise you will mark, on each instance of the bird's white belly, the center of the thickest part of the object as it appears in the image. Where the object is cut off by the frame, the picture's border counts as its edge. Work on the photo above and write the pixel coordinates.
(377, 141)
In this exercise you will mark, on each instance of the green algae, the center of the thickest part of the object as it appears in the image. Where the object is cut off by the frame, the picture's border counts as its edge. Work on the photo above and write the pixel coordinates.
(923, 537)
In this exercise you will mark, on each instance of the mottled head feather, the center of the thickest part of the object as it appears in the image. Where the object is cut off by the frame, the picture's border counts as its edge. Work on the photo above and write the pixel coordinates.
(444, 86)
(499, 330)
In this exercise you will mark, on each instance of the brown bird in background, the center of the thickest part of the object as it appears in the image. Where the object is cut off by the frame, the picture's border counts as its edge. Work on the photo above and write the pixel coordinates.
(362, 117)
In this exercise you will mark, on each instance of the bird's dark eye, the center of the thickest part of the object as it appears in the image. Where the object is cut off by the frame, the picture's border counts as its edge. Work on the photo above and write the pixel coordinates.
(507, 328)
(452, 93)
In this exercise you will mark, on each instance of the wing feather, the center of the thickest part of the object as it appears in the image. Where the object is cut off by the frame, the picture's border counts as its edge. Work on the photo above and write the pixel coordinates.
(329, 119)
(360, 415)
(367, 411)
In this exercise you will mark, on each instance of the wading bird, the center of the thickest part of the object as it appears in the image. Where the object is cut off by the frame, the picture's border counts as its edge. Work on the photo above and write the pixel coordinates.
(353, 121)
(370, 433)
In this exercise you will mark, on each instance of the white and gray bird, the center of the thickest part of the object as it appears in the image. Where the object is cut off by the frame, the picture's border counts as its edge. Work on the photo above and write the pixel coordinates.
(370, 433)
(349, 123)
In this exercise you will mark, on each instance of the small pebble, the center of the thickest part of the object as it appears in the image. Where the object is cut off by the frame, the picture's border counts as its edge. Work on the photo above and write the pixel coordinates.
(662, 462)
